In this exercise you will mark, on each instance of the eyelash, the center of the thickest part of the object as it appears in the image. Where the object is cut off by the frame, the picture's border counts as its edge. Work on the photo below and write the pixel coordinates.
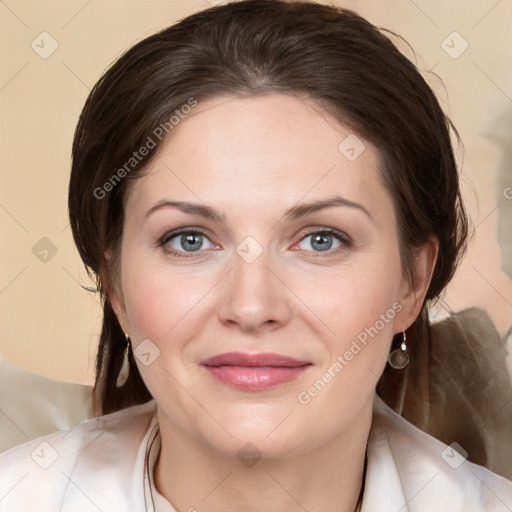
(173, 234)
(343, 238)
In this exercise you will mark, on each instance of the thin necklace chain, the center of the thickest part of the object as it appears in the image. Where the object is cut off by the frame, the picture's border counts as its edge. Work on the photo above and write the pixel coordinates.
(359, 505)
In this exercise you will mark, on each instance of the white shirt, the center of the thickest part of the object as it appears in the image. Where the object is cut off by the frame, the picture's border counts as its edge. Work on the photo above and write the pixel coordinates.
(106, 464)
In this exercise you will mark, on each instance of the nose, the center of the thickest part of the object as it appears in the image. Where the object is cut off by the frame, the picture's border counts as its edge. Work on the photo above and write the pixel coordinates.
(255, 297)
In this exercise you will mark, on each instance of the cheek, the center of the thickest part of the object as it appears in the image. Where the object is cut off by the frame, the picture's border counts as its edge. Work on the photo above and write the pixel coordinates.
(360, 309)
(354, 297)
(357, 307)
(166, 303)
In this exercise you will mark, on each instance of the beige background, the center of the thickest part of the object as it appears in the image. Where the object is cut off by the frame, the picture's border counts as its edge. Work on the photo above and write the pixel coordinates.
(49, 324)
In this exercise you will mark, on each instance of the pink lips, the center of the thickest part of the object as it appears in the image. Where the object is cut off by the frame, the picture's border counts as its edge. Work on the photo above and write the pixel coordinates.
(254, 372)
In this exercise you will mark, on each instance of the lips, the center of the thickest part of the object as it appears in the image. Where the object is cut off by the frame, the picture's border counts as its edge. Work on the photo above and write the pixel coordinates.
(253, 360)
(254, 372)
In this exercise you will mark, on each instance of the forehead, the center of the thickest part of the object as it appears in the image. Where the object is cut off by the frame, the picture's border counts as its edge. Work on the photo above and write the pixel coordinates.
(259, 150)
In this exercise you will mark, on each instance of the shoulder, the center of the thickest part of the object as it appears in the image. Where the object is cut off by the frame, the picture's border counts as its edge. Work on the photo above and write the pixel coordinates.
(78, 465)
(425, 473)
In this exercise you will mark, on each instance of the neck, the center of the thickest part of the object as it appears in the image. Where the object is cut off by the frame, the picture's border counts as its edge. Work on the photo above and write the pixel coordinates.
(326, 479)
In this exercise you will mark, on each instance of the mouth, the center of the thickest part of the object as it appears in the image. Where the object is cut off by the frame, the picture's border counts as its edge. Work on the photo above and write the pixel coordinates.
(254, 372)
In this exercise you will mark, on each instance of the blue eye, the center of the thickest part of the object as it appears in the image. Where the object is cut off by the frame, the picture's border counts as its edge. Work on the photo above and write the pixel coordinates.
(186, 242)
(320, 241)
(190, 241)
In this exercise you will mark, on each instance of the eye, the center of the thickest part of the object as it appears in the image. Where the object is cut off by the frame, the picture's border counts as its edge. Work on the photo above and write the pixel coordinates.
(187, 241)
(321, 241)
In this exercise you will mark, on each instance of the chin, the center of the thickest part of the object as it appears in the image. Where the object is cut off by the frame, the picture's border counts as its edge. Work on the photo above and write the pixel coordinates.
(270, 430)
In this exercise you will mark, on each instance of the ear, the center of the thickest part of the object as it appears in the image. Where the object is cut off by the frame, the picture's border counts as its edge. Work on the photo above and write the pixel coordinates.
(113, 289)
(412, 294)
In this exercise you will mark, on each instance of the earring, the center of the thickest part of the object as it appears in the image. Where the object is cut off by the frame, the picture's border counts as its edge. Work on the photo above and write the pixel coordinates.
(399, 359)
(125, 367)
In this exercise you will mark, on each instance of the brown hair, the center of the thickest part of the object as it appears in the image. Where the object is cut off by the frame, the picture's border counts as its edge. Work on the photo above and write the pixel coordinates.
(249, 48)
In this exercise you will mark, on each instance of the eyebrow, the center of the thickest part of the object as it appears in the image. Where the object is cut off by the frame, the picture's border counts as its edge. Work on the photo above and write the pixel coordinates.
(186, 207)
(293, 213)
(298, 211)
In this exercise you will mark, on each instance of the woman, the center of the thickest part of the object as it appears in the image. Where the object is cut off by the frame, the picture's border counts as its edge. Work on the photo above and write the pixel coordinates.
(267, 195)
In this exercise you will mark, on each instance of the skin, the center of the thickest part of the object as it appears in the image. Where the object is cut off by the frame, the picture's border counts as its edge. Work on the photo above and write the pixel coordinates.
(251, 160)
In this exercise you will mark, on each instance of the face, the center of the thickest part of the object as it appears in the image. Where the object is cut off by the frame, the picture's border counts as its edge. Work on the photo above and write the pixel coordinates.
(261, 281)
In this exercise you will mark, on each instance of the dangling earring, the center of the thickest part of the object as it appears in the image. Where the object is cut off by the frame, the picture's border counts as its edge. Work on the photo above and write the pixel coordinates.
(125, 367)
(399, 359)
